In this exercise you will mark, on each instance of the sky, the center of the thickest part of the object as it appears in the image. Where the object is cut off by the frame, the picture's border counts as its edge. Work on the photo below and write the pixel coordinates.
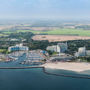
(46, 9)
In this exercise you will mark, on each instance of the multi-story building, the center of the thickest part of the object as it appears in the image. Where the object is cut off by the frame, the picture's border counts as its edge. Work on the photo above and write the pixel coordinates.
(19, 47)
(60, 47)
(52, 48)
(88, 52)
(81, 52)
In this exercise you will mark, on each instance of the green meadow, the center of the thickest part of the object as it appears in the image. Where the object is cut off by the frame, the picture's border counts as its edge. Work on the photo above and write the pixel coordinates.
(69, 32)
(61, 32)
(78, 32)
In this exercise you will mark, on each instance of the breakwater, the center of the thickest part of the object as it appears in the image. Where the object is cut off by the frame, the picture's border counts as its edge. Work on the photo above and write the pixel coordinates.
(48, 73)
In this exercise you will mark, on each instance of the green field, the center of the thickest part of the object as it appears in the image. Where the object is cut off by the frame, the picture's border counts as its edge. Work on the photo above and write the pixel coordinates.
(70, 32)
(78, 32)
(61, 32)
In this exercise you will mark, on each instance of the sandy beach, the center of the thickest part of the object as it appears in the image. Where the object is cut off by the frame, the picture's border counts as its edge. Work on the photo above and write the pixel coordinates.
(72, 66)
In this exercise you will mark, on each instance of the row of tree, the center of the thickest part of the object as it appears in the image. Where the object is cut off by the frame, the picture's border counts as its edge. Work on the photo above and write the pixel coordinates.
(33, 45)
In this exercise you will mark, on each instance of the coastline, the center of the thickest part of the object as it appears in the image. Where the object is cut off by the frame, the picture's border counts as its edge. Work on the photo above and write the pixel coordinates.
(71, 66)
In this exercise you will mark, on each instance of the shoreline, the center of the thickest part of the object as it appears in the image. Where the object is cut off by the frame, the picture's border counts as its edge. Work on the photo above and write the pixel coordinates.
(70, 66)
(48, 73)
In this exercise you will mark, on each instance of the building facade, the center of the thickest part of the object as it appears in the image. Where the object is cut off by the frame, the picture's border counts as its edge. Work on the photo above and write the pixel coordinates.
(60, 48)
(81, 52)
(19, 47)
(88, 52)
(52, 48)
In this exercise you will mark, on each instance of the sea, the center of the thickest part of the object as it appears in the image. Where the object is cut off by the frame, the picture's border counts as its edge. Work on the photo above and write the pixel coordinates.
(36, 79)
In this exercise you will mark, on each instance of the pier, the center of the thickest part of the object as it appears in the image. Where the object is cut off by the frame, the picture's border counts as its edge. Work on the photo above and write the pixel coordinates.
(48, 73)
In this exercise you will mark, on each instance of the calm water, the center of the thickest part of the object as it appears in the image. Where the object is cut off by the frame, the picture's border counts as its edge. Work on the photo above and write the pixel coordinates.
(35, 79)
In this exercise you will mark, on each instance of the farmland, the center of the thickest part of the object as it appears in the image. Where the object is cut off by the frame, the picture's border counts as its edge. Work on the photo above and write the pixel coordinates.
(71, 32)
(75, 32)
(55, 38)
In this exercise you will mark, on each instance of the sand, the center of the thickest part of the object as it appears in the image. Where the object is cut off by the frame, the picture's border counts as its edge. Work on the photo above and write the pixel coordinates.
(72, 66)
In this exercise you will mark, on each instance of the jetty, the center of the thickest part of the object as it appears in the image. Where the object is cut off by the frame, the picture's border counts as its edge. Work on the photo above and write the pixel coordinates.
(48, 73)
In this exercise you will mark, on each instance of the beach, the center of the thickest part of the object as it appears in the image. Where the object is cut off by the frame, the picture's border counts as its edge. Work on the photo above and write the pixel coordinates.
(72, 66)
